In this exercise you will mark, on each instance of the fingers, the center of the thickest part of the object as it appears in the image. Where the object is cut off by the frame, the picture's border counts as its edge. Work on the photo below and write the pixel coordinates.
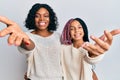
(18, 41)
(108, 37)
(98, 48)
(26, 41)
(14, 40)
(25, 76)
(93, 49)
(5, 20)
(5, 31)
(106, 40)
(11, 39)
(102, 44)
(115, 32)
(16, 37)
(10, 26)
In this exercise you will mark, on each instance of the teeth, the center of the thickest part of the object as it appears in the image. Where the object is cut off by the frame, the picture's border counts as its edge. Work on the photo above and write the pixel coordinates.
(77, 35)
(42, 23)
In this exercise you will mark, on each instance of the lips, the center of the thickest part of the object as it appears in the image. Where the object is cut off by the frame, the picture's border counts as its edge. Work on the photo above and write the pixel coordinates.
(77, 35)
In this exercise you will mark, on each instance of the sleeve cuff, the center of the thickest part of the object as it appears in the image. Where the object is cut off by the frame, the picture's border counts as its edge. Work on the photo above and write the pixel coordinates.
(93, 60)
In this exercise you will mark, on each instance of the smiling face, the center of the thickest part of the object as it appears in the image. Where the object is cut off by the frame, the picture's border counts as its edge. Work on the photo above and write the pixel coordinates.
(76, 31)
(42, 19)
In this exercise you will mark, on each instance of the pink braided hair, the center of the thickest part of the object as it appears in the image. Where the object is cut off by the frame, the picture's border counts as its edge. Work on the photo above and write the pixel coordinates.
(65, 36)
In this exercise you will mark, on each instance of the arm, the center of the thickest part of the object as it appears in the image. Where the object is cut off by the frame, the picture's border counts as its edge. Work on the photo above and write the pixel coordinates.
(102, 43)
(16, 35)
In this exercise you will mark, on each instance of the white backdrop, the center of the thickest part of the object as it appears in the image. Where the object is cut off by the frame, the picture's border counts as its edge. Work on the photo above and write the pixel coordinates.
(98, 15)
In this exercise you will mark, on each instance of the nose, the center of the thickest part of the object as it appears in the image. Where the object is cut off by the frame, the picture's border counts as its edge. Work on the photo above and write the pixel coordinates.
(41, 18)
(76, 30)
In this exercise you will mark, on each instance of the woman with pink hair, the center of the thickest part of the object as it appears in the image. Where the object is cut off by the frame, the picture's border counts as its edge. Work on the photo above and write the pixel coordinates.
(77, 59)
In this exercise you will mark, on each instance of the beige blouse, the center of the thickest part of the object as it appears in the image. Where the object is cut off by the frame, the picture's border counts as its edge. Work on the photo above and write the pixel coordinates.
(76, 63)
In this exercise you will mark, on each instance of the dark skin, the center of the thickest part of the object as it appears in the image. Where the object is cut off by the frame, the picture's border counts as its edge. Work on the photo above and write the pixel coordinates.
(101, 45)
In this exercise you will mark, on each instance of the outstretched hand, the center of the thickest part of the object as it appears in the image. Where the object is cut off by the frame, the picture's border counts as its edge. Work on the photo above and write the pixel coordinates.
(102, 43)
(16, 35)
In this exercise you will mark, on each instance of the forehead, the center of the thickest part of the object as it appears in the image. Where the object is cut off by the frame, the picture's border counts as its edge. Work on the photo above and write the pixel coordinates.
(74, 23)
(42, 11)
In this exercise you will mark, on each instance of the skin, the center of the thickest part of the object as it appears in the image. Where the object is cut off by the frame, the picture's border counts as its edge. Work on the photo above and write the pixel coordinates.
(77, 33)
(101, 44)
(42, 21)
(21, 39)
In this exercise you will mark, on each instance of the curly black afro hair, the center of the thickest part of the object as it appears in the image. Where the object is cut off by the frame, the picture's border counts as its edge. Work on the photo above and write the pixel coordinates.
(30, 20)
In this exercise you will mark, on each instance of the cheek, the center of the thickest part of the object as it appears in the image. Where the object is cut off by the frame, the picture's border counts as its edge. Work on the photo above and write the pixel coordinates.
(36, 20)
(48, 19)
(71, 34)
(83, 32)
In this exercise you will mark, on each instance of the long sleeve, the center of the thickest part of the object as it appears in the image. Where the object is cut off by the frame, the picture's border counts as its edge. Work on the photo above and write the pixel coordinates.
(93, 60)
(76, 63)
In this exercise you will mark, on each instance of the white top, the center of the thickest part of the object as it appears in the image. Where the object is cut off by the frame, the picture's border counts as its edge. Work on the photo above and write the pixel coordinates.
(76, 63)
(44, 59)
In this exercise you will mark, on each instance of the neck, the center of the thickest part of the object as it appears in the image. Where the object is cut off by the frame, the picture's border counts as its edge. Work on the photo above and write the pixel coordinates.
(42, 33)
(78, 44)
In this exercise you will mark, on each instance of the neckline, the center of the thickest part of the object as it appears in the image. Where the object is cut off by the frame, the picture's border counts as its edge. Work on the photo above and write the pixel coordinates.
(42, 36)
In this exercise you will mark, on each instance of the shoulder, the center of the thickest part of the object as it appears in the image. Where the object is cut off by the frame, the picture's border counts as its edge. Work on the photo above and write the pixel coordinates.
(29, 33)
(66, 46)
(32, 36)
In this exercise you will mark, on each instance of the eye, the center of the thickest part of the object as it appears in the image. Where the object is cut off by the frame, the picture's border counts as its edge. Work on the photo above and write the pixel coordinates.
(37, 15)
(46, 16)
(79, 27)
(71, 28)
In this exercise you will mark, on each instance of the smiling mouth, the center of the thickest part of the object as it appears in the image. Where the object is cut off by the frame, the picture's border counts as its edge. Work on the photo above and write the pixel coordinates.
(42, 23)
